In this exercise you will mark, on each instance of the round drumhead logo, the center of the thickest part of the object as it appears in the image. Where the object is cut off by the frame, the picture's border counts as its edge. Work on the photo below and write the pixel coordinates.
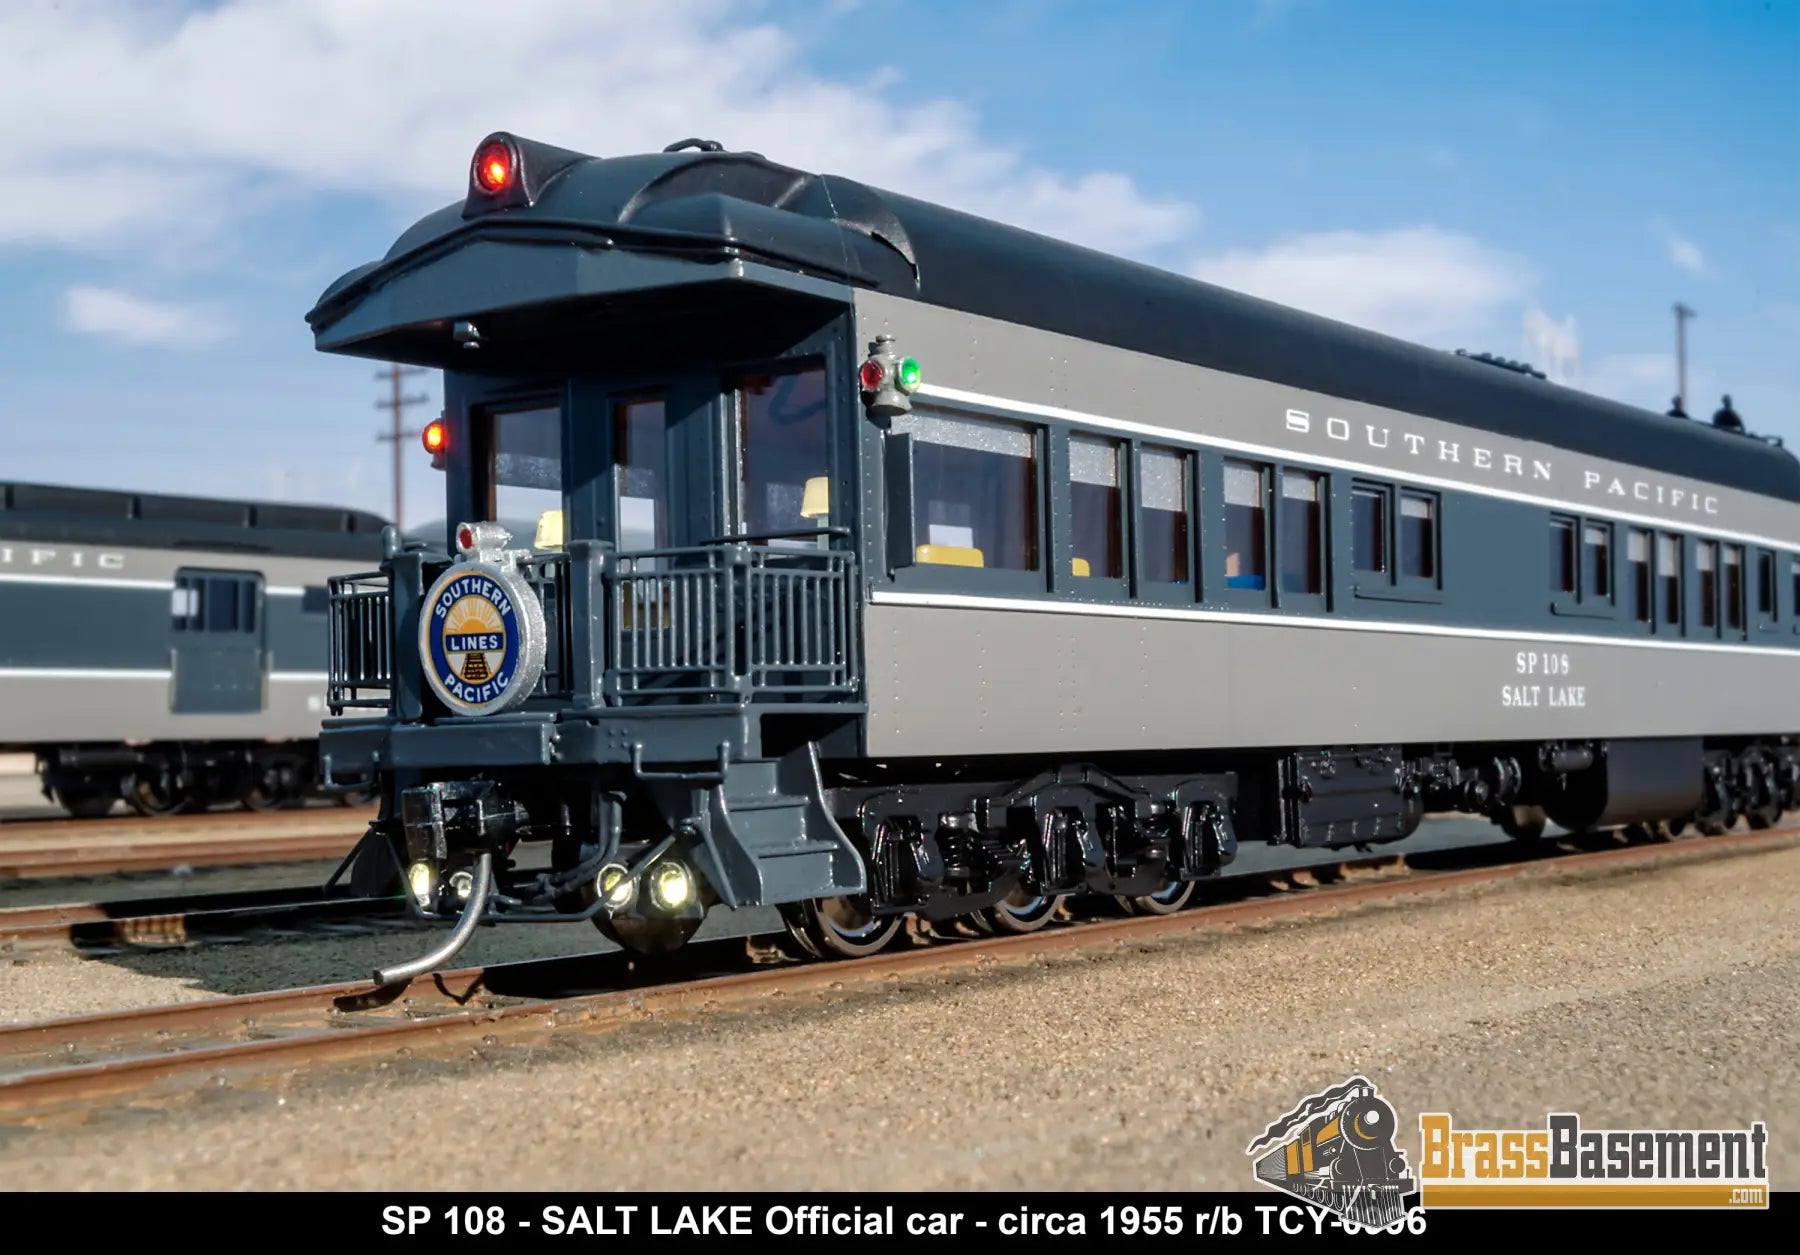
(482, 639)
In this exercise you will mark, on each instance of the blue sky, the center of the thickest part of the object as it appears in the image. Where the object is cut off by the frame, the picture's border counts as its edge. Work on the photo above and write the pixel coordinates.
(1533, 179)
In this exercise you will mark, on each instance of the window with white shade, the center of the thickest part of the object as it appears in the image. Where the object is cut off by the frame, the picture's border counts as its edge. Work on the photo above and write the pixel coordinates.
(975, 490)
(1164, 526)
(1246, 527)
(1096, 527)
(1300, 528)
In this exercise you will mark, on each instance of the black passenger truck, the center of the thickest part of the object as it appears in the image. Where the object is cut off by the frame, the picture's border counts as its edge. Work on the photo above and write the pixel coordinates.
(812, 546)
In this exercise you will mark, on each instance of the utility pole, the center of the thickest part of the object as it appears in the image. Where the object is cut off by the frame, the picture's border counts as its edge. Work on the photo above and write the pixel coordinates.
(398, 403)
(1682, 314)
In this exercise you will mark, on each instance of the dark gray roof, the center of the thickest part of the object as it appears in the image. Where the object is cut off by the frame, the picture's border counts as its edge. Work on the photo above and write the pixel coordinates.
(98, 516)
(704, 206)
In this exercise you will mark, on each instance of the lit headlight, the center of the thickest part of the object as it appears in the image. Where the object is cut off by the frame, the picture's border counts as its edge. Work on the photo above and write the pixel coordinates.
(421, 878)
(616, 887)
(462, 884)
(671, 886)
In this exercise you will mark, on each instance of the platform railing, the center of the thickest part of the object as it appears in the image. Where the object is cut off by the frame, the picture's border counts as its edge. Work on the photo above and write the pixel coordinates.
(728, 622)
(360, 662)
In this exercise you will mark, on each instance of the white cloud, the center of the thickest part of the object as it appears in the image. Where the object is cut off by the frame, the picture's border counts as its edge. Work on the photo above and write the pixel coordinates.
(144, 113)
(1683, 252)
(1421, 283)
(134, 320)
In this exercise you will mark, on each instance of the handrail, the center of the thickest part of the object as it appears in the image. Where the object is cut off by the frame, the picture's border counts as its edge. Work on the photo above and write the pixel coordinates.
(804, 533)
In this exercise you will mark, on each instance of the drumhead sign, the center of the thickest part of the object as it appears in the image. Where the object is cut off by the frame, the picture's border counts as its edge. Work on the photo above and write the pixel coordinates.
(482, 636)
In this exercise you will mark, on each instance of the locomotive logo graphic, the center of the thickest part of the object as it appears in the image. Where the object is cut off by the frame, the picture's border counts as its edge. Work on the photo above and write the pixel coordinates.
(1336, 1150)
(482, 635)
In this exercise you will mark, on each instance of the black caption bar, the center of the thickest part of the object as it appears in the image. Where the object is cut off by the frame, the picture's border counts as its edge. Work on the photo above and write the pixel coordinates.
(1175, 1221)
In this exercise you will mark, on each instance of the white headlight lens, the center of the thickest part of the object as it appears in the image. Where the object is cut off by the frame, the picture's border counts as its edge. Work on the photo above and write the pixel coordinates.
(421, 878)
(615, 886)
(462, 884)
(671, 886)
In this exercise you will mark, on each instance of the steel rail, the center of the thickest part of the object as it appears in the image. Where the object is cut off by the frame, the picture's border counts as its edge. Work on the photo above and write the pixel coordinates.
(449, 1008)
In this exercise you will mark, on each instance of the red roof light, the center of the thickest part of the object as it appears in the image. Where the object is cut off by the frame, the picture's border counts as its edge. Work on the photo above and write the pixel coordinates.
(434, 436)
(494, 167)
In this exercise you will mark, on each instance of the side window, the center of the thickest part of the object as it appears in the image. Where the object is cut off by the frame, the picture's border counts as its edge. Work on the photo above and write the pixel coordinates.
(1369, 529)
(1794, 579)
(1419, 538)
(1638, 576)
(1768, 592)
(1706, 571)
(641, 474)
(1300, 529)
(1096, 508)
(1733, 587)
(1596, 562)
(1562, 556)
(219, 603)
(1668, 580)
(975, 491)
(1246, 528)
(1164, 525)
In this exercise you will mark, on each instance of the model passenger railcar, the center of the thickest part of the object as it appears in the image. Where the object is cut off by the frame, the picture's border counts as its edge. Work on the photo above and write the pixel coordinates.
(169, 651)
(896, 561)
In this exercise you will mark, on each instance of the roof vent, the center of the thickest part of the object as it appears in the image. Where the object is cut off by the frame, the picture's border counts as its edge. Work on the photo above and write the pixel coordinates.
(704, 145)
(1728, 419)
(1524, 368)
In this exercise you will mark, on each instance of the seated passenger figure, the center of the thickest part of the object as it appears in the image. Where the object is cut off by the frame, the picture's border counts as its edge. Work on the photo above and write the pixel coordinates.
(1234, 576)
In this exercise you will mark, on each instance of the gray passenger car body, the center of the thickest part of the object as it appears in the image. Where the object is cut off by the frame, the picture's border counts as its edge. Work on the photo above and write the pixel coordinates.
(144, 635)
(892, 716)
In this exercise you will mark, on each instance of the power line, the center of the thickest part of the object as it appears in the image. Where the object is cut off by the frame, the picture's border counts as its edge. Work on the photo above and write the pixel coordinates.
(397, 404)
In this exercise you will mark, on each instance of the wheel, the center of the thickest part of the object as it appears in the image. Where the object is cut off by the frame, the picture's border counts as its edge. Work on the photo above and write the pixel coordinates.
(840, 928)
(271, 788)
(648, 936)
(1764, 817)
(1165, 901)
(1524, 823)
(158, 791)
(85, 803)
(1020, 911)
(1716, 827)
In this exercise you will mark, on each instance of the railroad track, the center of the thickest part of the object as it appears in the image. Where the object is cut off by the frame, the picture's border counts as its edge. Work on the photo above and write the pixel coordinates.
(60, 848)
(151, 1054)
(102, 928)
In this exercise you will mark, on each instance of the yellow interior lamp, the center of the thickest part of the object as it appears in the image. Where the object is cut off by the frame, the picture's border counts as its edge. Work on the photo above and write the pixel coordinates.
(949, 555)
(815, 502)
(549, 530)
(1079, 566)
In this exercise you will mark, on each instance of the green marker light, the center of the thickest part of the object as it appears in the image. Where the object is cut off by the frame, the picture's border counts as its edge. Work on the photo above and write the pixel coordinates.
(909, 379)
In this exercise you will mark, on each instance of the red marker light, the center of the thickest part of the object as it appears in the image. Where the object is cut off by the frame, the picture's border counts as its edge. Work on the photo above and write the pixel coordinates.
(434, 436)
(465, 537)
(494, 167)
(871, 375)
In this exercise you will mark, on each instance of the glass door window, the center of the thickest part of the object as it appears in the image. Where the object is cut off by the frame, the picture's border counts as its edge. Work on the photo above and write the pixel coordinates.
(522, 478)
(784, 452)
(640, 474)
